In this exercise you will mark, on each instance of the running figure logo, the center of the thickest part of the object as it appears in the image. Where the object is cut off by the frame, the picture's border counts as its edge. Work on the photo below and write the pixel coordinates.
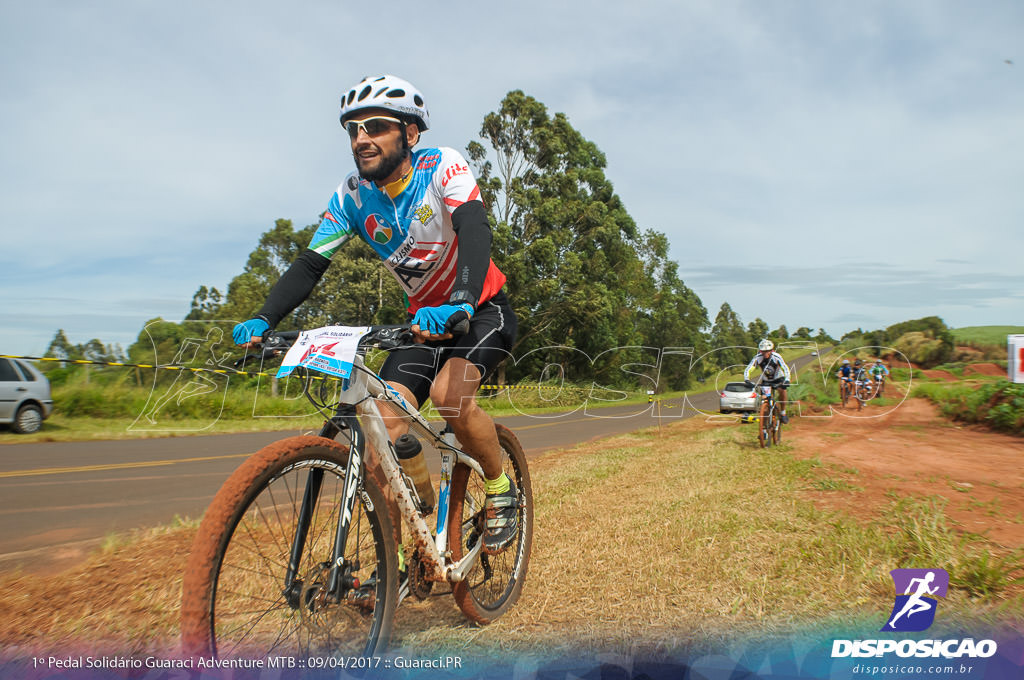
(916, 589)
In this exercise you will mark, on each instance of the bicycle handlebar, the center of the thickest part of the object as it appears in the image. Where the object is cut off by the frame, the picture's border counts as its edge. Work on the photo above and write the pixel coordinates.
(774, 382)
(386, 337)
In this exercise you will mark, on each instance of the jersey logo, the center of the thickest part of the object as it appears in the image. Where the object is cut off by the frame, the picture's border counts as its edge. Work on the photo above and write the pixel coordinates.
(377, 229)
(453, 171)
(423, 213)
(429, 161)
(419, 263)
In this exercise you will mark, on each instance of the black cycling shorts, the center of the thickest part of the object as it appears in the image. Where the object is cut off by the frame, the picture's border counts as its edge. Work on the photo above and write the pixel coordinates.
(492, 331)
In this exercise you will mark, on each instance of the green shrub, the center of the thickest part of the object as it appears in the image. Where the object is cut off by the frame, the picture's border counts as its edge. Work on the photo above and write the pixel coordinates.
(998, 404)
(923, 349)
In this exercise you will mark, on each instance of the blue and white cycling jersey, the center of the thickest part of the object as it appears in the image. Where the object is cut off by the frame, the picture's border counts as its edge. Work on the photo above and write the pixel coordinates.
(411, 228)
(771, 366)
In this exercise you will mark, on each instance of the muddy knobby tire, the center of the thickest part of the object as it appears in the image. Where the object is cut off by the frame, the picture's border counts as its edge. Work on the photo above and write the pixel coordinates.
(764, 423)
(496, 581)
(776, 425)
(233, 598)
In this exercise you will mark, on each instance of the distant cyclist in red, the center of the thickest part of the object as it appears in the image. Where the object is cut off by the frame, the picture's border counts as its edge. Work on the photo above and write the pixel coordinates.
(420, 211)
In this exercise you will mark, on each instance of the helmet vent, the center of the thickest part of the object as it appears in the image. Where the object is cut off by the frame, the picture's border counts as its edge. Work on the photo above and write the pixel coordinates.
(366, 91)
(393, 94)
(418, 99)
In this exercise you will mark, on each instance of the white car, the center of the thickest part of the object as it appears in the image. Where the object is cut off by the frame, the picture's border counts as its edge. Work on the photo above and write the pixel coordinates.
(24, 396)
(736, 396)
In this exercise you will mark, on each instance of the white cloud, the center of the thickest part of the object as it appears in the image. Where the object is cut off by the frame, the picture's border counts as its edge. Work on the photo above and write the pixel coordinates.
(170, 137)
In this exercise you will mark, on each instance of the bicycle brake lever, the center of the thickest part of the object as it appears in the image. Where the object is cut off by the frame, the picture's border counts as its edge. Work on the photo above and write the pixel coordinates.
(392, 338)
(239, 363)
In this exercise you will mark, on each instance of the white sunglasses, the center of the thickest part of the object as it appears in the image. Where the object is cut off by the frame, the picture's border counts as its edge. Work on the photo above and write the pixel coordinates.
(373, 127)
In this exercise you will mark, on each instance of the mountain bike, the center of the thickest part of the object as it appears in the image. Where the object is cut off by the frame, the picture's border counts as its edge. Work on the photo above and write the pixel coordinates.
(769, 419)
(862, 392)
(879, 385)
(845, 389)
(298, 552)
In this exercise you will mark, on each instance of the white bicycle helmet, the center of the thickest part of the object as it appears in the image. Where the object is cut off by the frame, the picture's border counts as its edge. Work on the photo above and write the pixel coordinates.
(765, 345)
(386, 92)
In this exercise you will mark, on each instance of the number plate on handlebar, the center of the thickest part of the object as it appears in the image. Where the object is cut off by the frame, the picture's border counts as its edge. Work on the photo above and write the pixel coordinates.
(330, 350)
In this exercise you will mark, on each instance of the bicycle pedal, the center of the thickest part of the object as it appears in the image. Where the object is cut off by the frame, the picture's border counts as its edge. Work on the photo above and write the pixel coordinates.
(364, 597)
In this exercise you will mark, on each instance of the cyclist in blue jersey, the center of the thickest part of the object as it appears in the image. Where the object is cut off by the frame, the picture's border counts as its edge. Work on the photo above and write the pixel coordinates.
(420, 211)
(772, 366)
(845, 375)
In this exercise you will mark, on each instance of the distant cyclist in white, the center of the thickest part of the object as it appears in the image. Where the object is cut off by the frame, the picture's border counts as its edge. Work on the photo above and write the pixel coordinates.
(916, 604)
(773, 367)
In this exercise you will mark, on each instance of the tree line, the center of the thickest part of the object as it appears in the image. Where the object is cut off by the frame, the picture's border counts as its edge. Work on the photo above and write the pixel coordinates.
(593, 291)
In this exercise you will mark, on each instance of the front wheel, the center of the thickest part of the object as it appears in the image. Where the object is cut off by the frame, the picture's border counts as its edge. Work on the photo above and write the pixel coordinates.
(235, 598)
(776, 425)
(764, 437)
(496, 581)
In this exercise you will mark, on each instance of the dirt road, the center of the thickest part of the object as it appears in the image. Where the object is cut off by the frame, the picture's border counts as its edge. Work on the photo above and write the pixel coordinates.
(884, 453)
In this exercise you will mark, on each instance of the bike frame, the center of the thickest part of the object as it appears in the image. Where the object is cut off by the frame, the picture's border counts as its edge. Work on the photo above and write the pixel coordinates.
(766, 394)
(357, 412)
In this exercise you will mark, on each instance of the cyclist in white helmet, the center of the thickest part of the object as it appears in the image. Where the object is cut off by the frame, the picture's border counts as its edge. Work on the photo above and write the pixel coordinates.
(880, 372)
(773, 368)
(420, 210)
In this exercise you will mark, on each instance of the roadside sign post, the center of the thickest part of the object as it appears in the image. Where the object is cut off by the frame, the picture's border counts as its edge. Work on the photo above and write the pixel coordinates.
(1015, 358)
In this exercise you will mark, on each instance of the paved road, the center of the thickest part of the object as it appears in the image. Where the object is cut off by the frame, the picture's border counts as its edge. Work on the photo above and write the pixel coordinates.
(63, 498)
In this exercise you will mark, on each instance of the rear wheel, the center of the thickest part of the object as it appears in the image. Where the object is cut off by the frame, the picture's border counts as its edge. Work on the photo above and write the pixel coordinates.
(234, 599)
(496, 581)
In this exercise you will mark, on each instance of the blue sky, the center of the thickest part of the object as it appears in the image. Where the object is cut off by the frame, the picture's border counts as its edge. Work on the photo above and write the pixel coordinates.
(834, 165)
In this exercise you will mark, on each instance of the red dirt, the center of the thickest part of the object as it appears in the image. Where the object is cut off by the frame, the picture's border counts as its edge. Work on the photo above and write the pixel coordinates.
(984, 369)
(940, 374)
(909, 450)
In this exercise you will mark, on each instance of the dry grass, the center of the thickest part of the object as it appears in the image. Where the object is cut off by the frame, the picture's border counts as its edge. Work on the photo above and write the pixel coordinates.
(661, 542)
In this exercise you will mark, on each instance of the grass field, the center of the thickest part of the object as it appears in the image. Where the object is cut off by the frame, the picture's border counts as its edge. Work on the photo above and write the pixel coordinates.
(677, 541)
(985, 335)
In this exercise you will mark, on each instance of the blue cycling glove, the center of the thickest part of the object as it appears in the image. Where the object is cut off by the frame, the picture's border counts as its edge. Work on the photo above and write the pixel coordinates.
(247, 330)
(441, 319)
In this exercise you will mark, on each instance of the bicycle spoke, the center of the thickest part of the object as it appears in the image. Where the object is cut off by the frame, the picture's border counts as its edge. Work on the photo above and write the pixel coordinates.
(244, 606)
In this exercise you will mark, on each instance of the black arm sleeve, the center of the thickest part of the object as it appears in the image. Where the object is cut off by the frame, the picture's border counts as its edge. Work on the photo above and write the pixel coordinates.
(470, 224)
(294, 286)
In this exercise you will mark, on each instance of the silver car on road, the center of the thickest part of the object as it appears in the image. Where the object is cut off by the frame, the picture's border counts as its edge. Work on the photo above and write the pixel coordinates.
(24, 396)
(736, 396)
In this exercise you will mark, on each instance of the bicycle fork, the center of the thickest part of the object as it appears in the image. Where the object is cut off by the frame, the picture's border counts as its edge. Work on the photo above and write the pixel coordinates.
(338, 580)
